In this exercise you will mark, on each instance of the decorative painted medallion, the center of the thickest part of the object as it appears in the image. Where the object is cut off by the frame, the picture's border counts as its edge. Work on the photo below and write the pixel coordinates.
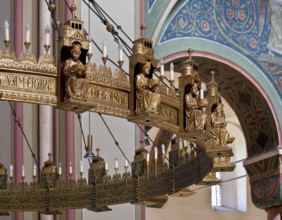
(253, 28)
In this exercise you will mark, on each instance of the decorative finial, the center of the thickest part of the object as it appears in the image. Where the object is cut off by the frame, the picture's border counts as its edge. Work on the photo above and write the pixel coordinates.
(73, 9)
(49, 155)
(190, 51)
(143, 28)
(97, 150)
(56, 25)
(212, 74)
(52, 7)
(110, 28)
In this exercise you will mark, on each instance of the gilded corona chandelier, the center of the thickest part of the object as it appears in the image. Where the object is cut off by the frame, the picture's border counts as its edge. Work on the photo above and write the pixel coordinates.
(194, 112)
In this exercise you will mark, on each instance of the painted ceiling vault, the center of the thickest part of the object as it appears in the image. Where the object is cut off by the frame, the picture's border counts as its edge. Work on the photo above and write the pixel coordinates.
(252, 29)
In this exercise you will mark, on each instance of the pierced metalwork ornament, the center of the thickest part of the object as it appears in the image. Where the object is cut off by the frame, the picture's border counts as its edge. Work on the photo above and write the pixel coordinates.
(79, 86)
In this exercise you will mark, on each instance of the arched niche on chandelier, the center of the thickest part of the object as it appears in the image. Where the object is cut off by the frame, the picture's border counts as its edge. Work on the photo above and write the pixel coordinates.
(251, 92)
(253, 107)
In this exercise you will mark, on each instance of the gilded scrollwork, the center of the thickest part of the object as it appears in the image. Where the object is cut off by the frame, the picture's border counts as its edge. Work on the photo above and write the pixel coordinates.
(91, 70)
(27, 67)
(119, 74)
(110, 110)
(105, 71)
(7, 55)
(27, 57)
(29, 97)
(46, 60)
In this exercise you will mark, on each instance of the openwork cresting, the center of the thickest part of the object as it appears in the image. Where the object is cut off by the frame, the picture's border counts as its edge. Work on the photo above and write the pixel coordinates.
(146, 181)
(194, 113)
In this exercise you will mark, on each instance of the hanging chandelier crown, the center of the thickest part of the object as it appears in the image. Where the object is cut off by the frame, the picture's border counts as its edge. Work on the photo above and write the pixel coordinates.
(194, 115)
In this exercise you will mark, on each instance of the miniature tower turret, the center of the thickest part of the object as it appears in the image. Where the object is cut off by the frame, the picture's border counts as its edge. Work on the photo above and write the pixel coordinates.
(3, 177)
(49, 173)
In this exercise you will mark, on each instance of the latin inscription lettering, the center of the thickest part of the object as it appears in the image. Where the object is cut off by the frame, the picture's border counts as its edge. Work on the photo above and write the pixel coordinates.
(105, 95)
(28, 83)
(169, 113)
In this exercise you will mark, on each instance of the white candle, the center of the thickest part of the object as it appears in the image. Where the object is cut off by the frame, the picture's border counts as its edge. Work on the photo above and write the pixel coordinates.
(11, 170)
(81, 166)
(171, 71)
(90, 44)
(34, 170)
(148, 157)
(27, 38)
(156, 153)
(104, 49)
(7, 32)
(120, 53)
(162, 67)
(203, 88)
(70, 170)
(106, 165)
(163, 149)
(60, 169)
(22, 170)
(185, 143)
(180, 144)
(126, 162)
(47, 35)
(116, 164)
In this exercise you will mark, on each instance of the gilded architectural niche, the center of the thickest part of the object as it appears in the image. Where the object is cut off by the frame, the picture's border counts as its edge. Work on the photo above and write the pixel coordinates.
(149, 101)
(82, 85)
(247, 101)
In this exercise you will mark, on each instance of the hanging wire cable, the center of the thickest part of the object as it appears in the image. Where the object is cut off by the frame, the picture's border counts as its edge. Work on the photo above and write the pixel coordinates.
(167, 86)
(82, 133)
(147, 136)
(66, 3)
(101, 14)
(89, 123)
(17, 120)
(116, 143)
(53, 16)
(83, 137)
(98, 11)
(224, 181)
(104, 21)
(96, 45)
(118, 26)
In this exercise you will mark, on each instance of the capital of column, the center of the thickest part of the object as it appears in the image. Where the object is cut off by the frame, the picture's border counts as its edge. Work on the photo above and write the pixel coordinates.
(265, 178)
(274, 213)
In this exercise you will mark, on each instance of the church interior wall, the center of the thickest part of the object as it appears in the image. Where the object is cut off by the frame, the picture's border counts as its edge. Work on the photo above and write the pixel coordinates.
(198, 206)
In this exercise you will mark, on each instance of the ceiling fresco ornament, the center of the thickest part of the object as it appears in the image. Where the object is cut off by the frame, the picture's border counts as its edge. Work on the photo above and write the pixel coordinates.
(244, 26)
(150, 4)
(265, 192)
(264, 176)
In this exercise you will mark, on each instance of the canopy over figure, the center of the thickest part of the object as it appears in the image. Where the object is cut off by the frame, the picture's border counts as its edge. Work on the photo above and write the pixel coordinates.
(220, 135)
(195, 114)
(147, 99)
(74, 71)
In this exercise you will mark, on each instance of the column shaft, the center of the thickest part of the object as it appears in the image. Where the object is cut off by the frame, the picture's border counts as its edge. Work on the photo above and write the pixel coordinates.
(46, 126)
(274, 213)
(69, 127)
(18, 137)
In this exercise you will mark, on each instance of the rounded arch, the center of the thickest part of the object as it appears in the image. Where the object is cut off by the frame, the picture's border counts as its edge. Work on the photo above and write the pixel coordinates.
(253, 105)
